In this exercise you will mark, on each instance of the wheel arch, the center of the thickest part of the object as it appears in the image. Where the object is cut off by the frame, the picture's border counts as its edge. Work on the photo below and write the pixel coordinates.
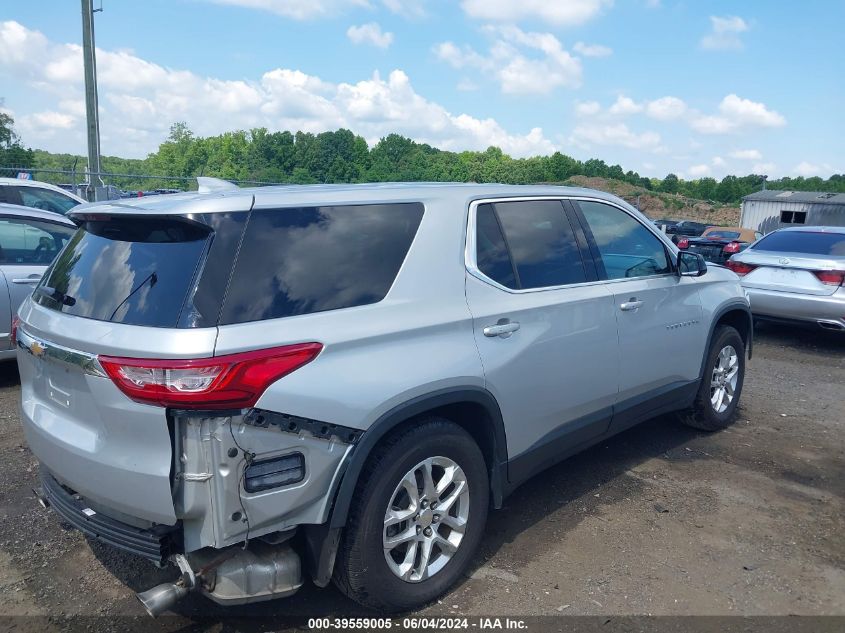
(738, 316)
(474, 409)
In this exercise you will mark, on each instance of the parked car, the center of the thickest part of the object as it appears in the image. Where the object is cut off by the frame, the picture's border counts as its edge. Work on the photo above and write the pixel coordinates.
(29, 240)
(37, 195)
(262, 385)
(685, 228)
(718, 243)
(796, 275)
(666, 223)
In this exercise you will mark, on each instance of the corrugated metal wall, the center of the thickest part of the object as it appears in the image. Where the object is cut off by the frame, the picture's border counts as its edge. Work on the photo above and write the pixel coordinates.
(764, 215)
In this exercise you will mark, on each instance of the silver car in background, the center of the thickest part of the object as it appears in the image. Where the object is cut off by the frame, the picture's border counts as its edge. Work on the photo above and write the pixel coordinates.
(29, 240)
(796, 274)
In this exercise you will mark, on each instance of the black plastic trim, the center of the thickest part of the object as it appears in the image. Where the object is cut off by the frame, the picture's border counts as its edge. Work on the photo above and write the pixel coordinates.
(294, 424)
(155, 544)
(404, 412)
(730, 307)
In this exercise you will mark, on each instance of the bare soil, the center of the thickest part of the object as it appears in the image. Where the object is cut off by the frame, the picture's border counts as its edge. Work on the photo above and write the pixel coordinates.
(658, 520)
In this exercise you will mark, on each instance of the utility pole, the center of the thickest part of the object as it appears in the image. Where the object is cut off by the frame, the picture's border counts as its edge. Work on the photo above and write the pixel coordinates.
(89, 57)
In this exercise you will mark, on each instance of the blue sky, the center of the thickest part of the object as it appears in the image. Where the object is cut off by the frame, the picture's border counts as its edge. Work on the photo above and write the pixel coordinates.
(702, 87)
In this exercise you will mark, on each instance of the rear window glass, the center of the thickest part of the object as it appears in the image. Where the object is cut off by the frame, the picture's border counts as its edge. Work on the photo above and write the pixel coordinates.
(808, 242)
(311, 259)
(491, 250)
(722, 235)
(137, 271)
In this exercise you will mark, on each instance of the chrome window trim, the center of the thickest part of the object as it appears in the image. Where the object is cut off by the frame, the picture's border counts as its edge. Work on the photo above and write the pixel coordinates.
(83, 361)
(471, 263)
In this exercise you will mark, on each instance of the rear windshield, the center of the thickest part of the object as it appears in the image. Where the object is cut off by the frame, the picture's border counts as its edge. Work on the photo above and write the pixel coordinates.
(722, 235)
(224, 268)
(136, 271)
(809, 242)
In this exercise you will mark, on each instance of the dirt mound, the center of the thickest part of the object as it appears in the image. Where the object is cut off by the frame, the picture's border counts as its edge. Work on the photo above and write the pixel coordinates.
(666, 206)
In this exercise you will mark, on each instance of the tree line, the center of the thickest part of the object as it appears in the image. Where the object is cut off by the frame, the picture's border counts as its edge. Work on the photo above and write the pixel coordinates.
(341, 156)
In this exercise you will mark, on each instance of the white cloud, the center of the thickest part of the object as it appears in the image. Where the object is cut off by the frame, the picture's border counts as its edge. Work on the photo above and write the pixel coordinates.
(139, 100)
(736, 114)
(807, 169)
(592, 50)
(558, 12)
(369, 33)
(467, 85)
(724, 33)
(522, 63)
(763, 168)
(406, 8)
(699, 171)
(666, 108)
(614, 134)
(718, 161)
(297, 9)
(747, 154)
(625, 105)
(587, 108)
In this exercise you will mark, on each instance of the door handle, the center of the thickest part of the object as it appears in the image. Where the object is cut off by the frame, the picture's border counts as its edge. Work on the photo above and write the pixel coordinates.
(631, 305)
(503, 329)
(27, 280)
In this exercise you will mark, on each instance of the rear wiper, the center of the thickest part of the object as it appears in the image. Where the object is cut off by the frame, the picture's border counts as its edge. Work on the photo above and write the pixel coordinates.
(56, 295)
(152, 279)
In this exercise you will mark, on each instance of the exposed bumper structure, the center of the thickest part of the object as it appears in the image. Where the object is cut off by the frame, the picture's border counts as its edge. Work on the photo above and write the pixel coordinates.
(156, 544)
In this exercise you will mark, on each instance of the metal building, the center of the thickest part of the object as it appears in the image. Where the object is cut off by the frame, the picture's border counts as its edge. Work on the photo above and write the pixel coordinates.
(768, 210)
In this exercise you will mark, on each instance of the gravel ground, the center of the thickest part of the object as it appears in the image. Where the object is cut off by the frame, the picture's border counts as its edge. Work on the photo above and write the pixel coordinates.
(658, 520)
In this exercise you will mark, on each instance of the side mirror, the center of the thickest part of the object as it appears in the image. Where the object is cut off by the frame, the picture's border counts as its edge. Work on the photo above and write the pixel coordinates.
(691, 264)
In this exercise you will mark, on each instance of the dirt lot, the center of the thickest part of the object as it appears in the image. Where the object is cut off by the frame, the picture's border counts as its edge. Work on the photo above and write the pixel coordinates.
(659, 520)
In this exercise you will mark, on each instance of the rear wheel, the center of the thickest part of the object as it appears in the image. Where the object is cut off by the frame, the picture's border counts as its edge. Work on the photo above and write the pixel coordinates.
(417, 518)
(721, 386)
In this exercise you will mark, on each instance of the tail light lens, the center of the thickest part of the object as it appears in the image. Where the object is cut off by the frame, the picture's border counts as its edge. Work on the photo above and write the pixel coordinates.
(683, 243)
(739, 267)
(13, 335)
(233, 381)
(732, 247)
(831, 277)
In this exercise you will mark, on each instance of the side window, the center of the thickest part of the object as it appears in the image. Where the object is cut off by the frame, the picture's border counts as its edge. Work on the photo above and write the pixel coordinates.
(627, 248)
(25, 241)
(46, 200)
(312, 259)
(492, 254)
(541, 243)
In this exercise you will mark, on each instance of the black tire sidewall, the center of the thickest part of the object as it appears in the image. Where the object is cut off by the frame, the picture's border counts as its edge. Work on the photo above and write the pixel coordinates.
(455, 444)
(723, 337)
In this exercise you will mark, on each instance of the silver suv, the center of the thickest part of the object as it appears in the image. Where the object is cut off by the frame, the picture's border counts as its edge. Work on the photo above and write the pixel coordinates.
(338, 382)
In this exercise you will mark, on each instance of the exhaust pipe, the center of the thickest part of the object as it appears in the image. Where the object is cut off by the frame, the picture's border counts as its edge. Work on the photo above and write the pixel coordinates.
(163, 597)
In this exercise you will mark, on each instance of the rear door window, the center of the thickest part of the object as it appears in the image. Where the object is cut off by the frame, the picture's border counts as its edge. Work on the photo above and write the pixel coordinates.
(807, 242)
(492, 257)
(541, 243)
(28, 241)
(310, 259)
(136, 270)
(46, 200)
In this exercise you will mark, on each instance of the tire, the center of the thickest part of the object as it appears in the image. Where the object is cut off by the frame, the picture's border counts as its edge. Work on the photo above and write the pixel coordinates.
(362, 570)
(704, 414)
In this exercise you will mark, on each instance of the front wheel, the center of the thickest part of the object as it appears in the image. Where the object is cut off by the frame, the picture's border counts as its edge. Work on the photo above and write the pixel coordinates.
(417, 518)
(721, 386)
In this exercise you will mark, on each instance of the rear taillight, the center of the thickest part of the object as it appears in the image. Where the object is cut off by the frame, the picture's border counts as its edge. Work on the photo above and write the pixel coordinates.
(683, 243)
(831, 277)
(732, 247)
(13, 335)
(739, 267)
(233, 381)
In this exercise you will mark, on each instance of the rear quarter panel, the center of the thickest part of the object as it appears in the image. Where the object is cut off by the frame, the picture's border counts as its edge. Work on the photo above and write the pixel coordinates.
(415, 341)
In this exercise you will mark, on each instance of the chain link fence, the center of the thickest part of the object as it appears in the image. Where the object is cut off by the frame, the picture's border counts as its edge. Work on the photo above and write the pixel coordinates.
(111, 185)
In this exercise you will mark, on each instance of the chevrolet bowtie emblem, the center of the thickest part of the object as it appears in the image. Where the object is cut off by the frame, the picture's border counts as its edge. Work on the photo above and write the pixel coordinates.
(36, 348)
